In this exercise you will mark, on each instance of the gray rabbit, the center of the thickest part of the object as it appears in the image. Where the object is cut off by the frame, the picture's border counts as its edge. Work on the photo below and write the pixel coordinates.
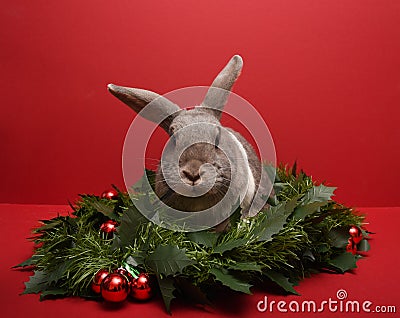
(200, 162)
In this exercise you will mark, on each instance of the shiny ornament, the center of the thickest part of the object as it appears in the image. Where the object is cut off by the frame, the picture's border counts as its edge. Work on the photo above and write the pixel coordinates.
(114, 288)
(122, 271)
(108, 228)
(351, 246)
(110, 194)
(355, 234)
(97, 280)
(141, 288)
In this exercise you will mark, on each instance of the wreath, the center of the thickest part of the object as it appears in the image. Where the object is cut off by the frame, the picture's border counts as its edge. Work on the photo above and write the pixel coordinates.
(106, 249)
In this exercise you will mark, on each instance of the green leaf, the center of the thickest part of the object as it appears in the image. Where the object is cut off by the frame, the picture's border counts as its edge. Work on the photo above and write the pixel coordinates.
(322, 248)
(56, 291)
(319, 193)
(294, 169)
(281, 280)
(50, 224)
(339, 237)
(235, 217)
(231, 281)
(246, 266)
(102, 208)
(191, 292)
(151, 176)
(29, 262)
(55, 275)
(167, 289)
(37, 283)
(344, 262)
(271, 172)
(363, 246)
(131, 220)
(136, 260)
(274, 220)
(229, 245)
(302, 211)
(168, 260)
(315, 198)
(141, 184)
(206, 238)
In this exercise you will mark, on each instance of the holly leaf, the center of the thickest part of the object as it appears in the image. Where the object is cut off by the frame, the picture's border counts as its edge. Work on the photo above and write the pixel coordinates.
(131, 220)
(246, 266)
(49, 224)
(281, 280)
(274, 219)
(37, 283)
(58, 272)
(363, 246)
(102, 208)
(136, 260)
(319, 193)
(315, 198)
(344, 262)
(302, 211)
(338, 237)
(167, 289)
(308, 256)
(206, 238)
(191, 292)
(149, 177)
(229, 245)
(168, 260)
(29, 262)
(230, 281)
(271, 172)
(56, 291)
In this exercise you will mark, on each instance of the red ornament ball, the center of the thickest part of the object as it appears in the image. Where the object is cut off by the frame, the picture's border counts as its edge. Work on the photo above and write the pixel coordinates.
(141, 288)
(98, 279)
(110, 194)
(122, 271)
(114, 288)
(351, 247)
(355, 234)
(109, 227)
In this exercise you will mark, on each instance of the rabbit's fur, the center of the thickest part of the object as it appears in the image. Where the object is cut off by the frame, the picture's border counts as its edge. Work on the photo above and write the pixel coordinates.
(172, 119)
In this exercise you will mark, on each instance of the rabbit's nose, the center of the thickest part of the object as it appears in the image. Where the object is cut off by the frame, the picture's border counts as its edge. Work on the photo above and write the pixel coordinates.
(192, 177)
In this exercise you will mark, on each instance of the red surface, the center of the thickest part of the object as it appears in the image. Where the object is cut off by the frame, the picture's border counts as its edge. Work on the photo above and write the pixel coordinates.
(375, 280)
(324, 75)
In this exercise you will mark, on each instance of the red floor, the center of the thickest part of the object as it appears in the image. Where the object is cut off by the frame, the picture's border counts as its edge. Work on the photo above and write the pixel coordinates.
(376, 280)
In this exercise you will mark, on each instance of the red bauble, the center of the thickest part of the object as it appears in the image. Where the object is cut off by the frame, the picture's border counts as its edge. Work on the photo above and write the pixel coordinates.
(122, 271)
(110, 194)
(351, 246)
(109, 227)
(98, 279)
(114, 288)
(355, 234)
(141, 288)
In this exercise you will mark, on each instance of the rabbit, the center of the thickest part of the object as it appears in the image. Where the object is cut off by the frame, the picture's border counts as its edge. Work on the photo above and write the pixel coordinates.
(193, 161)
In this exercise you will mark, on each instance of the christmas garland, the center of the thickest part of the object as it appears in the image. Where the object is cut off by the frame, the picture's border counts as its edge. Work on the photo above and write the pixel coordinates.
(106, 249)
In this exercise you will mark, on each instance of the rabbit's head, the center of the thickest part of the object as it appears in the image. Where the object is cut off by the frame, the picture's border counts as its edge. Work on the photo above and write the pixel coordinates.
(194, 173)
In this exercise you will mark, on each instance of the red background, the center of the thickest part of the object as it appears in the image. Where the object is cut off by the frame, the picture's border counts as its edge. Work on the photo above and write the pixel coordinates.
(325, 75)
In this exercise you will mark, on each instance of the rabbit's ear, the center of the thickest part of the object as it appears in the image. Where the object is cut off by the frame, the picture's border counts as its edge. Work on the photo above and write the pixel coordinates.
(161, 111)
(218, 92)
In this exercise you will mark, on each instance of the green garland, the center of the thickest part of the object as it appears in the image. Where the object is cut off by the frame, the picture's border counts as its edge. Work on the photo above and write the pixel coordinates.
(301, 232)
